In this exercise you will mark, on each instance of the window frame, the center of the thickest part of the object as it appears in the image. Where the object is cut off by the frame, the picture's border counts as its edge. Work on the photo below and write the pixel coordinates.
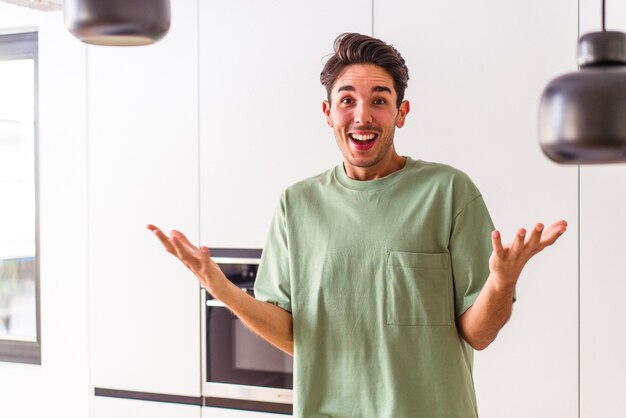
(15, 46)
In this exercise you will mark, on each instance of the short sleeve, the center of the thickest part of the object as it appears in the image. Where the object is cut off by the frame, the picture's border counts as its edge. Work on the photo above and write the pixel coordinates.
(470, 248)
(273, 282)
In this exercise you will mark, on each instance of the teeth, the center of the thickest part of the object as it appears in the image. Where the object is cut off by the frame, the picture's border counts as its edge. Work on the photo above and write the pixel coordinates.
(363, 137)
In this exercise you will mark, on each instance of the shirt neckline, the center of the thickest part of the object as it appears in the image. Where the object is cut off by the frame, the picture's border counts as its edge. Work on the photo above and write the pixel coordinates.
(370, 185)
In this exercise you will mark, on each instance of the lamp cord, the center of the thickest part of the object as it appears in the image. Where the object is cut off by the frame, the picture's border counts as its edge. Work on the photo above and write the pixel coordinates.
(603, 15)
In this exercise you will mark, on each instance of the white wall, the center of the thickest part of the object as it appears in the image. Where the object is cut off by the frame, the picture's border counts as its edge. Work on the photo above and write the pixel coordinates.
(202, 132)
(61, 383)
(143, 168)
(261, 122)
(602, 264)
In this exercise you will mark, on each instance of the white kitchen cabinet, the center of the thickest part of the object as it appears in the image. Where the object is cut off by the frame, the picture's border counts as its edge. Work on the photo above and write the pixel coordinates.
(127, 408)
(603, 284)
(143, 168)
(477, 72)
(234, 413)
(261, 121)
(60, 382)
(602, 265)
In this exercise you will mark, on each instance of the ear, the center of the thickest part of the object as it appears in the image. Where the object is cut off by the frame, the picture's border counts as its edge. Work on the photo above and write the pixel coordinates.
(404, 109)
(326, 110)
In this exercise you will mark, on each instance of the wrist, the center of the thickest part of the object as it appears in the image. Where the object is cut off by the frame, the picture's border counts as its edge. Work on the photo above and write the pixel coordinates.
(217, 286)
(502, 285)
(225, 291)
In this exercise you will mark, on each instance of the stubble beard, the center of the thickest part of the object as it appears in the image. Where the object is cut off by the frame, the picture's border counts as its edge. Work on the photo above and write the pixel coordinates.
(379, 157)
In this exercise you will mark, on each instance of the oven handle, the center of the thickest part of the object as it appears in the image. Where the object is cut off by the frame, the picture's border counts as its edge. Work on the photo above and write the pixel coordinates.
(218, 303)
(214, 303)
(249, 393)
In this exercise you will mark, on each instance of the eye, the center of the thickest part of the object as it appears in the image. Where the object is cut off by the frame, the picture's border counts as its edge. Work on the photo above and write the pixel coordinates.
(347, 100)
(380, 101)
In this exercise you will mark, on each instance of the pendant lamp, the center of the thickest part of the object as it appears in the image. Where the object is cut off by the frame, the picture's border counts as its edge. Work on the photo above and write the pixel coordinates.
(118, 22)
(582, 115)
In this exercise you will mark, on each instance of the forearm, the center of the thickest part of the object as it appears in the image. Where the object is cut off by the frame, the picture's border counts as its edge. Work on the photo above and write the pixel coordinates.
(270, 322)
(480, 324)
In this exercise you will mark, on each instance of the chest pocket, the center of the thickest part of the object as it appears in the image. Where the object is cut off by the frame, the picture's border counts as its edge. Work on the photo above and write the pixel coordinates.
(417, 289)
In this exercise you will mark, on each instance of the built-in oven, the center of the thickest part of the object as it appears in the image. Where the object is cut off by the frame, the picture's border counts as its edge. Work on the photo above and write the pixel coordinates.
(241, 370)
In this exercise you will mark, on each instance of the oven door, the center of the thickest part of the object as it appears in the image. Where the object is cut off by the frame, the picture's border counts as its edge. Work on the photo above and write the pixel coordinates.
(242, 370)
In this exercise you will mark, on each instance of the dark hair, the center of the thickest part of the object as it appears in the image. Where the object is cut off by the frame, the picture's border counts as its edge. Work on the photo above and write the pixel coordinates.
(354, 48)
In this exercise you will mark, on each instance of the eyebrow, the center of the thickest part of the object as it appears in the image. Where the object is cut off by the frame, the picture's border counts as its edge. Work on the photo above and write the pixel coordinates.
(375, 89)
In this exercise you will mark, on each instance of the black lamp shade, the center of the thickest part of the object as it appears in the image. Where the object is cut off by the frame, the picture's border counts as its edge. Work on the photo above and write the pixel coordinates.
(118, 22)
(582, 115)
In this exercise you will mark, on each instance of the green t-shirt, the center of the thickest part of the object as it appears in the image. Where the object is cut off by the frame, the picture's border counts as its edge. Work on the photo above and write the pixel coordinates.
(375, 273)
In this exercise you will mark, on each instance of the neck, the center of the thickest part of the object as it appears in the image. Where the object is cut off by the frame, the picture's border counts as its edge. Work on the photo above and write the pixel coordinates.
(381, 169)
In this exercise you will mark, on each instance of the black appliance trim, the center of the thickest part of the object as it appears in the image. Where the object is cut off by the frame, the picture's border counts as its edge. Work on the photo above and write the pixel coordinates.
(147, 396)
(280, 408)
(239, 404)
(236, 252)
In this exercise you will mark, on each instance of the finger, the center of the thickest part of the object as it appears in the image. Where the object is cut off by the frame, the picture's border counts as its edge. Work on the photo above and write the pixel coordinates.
(549, 238)
(162, 237)
(560, 226)
(206, 253)
(153, 228)
(182, 252)
(183, 240)
(535, 237)
(496, 242)
(518, 242)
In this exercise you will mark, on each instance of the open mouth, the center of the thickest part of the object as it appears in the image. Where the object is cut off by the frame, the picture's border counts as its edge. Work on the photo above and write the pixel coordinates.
(363, 142)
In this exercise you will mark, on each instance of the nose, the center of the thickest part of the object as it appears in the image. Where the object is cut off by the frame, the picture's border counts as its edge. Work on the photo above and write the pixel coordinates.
(362, 114)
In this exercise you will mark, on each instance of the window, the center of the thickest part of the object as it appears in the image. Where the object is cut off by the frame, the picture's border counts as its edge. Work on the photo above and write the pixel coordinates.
(19, 221)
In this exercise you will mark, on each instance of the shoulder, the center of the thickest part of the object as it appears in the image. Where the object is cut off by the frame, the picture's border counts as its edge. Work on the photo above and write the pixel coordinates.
(445, 176)
(310, 185)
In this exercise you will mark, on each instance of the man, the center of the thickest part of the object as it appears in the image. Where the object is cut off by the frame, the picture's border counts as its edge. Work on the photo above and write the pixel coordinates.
(382, 274)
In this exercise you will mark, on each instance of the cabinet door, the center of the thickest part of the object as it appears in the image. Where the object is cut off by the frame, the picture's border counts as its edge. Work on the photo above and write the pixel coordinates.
(602, 265)
(477, 72)
(143, 139)
(261, 122)
(126, 408)
(602, 274)
(234, 413)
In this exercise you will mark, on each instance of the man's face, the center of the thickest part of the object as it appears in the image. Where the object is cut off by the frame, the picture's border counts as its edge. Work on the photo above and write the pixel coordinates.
(363, 115)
